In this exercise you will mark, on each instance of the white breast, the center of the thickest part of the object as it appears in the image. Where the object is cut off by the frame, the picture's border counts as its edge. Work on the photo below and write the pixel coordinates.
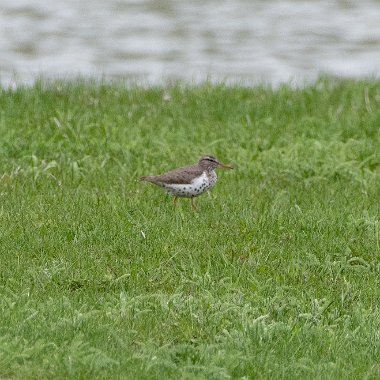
(212, 179)
(198, 186)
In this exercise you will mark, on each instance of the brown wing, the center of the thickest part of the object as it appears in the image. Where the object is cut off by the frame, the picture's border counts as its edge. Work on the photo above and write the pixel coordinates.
(181, 175)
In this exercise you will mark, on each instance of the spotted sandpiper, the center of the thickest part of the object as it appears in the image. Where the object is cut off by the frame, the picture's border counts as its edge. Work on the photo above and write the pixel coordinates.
(189, 181)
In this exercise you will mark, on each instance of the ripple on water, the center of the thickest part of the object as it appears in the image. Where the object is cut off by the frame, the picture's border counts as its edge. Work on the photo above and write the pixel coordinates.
(243, 40)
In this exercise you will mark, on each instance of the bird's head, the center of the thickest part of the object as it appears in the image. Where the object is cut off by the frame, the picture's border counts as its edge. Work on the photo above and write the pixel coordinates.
(211, 163)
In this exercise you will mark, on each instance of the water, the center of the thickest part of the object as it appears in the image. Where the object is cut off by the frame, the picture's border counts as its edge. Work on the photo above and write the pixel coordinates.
(238, 40)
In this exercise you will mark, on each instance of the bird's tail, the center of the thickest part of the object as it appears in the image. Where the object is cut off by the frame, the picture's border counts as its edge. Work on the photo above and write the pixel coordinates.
(147, 178)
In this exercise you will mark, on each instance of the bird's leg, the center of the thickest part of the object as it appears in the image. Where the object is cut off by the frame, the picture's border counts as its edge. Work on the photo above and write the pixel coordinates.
(193, 204)
(175, 201)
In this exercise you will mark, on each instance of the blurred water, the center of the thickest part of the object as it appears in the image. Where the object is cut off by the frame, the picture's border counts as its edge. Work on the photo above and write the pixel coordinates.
(238, 40)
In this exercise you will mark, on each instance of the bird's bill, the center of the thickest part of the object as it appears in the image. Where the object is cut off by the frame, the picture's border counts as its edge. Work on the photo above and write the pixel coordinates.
(225, 166)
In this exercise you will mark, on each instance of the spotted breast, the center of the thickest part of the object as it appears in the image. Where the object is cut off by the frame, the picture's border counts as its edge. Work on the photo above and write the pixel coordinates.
(197, 186)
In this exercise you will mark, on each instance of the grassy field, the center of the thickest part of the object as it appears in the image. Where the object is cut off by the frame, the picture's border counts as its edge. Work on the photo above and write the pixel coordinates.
(275, 276)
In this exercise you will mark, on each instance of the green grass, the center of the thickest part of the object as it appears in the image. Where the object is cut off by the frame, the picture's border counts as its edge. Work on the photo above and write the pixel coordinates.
(276, 275)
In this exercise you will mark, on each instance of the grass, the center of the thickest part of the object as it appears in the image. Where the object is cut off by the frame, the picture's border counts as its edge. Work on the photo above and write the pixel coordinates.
(277, 275)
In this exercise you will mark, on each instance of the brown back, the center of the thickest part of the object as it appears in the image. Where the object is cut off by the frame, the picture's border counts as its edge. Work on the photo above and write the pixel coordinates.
(178, 176)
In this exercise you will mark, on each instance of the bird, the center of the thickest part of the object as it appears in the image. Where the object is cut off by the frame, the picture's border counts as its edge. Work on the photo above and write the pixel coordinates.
(189, 181)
